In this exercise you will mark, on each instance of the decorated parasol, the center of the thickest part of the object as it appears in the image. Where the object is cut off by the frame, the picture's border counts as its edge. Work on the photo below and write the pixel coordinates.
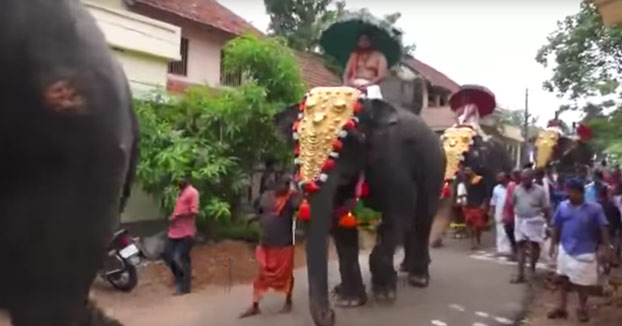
(339, 40)
(481, 96)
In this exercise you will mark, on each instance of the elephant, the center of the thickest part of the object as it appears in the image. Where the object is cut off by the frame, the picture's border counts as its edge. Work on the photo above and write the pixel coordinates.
(567, 155)
(465, 147)
(69, 141)
(402, 162)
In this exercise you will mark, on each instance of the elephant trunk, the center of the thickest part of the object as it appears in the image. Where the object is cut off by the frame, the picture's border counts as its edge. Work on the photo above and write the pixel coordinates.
(317, 252)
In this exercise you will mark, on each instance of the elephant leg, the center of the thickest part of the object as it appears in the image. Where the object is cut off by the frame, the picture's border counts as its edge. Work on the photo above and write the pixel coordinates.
(419, 238)
(383, 274)
(351, 291)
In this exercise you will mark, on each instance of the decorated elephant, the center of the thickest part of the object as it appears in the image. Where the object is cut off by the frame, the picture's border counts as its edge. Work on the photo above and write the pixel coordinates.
(342, 137)
(466, 145)
(568, 156)
(69, 142)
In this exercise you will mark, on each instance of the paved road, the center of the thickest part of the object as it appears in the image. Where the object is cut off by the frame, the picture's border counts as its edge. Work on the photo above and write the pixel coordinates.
(466, 289)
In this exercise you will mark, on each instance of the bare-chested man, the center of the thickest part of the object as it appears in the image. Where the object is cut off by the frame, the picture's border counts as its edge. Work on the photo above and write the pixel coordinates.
(366, 67)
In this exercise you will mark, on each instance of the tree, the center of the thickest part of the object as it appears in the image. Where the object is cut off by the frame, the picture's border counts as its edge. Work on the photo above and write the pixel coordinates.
(300, 22)
(587, 56)
(218, 136)
(587, 65)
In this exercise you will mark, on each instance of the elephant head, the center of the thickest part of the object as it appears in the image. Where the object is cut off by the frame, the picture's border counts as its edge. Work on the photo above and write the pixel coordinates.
(565, 153)
(331, 130)
(484, 155)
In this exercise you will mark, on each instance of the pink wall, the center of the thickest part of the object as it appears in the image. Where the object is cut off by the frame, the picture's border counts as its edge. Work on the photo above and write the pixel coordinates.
(204, 47)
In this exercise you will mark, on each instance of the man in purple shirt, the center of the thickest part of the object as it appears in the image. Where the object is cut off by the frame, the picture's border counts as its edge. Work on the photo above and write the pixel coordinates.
(578, 228)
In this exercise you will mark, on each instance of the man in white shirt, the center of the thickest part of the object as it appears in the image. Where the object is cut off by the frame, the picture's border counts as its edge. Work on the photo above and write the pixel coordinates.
(497, 205)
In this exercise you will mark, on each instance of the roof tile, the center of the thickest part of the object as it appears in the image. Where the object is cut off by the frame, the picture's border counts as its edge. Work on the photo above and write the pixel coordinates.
(314, 73)
(207, 12)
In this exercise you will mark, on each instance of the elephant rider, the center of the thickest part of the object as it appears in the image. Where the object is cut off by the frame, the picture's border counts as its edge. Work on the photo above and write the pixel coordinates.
(366, 67)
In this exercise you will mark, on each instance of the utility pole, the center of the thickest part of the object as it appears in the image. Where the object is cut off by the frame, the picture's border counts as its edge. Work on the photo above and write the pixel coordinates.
(526, 148)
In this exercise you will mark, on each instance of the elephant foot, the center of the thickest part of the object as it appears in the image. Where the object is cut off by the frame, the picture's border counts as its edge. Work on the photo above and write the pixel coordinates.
(348, 301)
(323, 316)
(386, 294)
(420, 281)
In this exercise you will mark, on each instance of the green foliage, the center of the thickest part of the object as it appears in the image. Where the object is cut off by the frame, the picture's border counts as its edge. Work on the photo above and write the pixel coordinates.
(239, 231)
(607, 133)
(365, 215)
(218, 136)
(300, 22)
(587, 55)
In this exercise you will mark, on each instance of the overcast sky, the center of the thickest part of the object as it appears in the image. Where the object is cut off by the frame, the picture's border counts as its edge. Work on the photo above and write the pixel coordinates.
(487, 42)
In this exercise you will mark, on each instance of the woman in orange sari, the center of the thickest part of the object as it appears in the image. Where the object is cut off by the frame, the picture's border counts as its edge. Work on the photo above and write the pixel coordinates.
(275, 253)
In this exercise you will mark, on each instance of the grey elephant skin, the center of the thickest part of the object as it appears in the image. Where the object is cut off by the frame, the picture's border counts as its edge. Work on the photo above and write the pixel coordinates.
(404, 166)
(69, 144)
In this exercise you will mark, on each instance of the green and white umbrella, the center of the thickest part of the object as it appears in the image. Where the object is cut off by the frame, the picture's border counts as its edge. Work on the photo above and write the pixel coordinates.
(341, 37)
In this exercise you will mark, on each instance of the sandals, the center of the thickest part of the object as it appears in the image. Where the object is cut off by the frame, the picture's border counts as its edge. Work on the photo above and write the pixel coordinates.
(558, 313)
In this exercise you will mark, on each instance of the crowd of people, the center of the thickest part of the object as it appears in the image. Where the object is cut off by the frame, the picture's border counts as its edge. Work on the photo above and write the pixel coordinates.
(579, 215)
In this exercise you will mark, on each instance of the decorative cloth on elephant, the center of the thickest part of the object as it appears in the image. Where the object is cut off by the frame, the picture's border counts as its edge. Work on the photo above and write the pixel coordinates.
(456, 142)
(326, 116)
(370, 91)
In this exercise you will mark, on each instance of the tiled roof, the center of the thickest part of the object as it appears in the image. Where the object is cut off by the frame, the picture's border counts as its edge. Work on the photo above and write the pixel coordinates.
(438, 118)
(314, 73)
(207, 12)
(435, 77)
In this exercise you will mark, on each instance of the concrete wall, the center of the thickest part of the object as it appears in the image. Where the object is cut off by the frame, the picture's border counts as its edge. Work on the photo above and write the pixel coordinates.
(143, 46)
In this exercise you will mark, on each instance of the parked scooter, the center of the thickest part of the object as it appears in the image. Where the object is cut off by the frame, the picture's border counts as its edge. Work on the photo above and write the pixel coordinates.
(119, 267)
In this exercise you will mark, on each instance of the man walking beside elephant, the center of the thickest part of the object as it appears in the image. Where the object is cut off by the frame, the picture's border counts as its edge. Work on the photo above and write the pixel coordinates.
(531, 207)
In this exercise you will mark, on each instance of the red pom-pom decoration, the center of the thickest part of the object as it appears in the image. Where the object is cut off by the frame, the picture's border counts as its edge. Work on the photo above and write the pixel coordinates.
(364, 190)
(337, 145)
(358, 107)
(297, 149)
(349, 125)
(304, 211)
(302, 106)
(584, 132)
(446, 191)
(348, 221)
(328, 165)
(295, 125)
(297, 177)
(312, 187)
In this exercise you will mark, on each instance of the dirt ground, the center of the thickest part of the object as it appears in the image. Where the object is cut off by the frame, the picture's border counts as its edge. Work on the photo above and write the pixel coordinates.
(546, 298)
(215, 267)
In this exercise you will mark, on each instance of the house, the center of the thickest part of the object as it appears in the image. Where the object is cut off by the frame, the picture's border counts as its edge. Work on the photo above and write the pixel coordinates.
(144, 46)
(610, 11)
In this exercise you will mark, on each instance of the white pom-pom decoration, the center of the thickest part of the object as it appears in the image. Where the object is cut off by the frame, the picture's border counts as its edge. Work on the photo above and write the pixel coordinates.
(295, 136)
(297, 161)
(334, 155)
(300, 116)
(323, 177)
(343, 134)
(356, 119)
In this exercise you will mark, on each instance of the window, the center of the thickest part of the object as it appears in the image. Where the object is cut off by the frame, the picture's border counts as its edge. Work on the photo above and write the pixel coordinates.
(180, 67)
(228, 78)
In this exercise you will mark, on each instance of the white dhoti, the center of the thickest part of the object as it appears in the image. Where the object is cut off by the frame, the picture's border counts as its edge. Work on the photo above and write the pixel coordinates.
(373, 91)
(580, 270)
(530, 229)
(504, 247)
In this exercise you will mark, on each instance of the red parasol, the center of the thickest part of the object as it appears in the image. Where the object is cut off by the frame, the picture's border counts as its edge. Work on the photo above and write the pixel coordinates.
(481, 96)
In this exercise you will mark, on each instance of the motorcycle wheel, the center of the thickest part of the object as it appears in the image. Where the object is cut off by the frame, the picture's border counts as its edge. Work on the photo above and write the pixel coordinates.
(125, 281)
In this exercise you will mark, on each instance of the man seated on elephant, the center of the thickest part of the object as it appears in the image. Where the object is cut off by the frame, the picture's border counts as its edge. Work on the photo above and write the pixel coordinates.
(475, 208)
(366, 67)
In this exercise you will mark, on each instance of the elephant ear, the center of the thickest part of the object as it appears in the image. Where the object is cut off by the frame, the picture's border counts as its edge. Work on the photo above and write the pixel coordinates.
(284, 120)
(378, 114)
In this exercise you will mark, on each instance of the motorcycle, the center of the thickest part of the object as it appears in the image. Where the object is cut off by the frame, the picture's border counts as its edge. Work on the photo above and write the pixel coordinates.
(119, 267)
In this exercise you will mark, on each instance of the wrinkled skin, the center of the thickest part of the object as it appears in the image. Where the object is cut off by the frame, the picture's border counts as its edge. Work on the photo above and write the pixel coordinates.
(566, 155)
(403, 164)
(69, 141)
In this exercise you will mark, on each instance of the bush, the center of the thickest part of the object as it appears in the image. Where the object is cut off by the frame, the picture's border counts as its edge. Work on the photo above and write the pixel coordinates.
(242, 231)
(218, 136)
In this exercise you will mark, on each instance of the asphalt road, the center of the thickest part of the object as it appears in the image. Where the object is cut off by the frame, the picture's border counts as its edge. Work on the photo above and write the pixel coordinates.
(467, 289)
